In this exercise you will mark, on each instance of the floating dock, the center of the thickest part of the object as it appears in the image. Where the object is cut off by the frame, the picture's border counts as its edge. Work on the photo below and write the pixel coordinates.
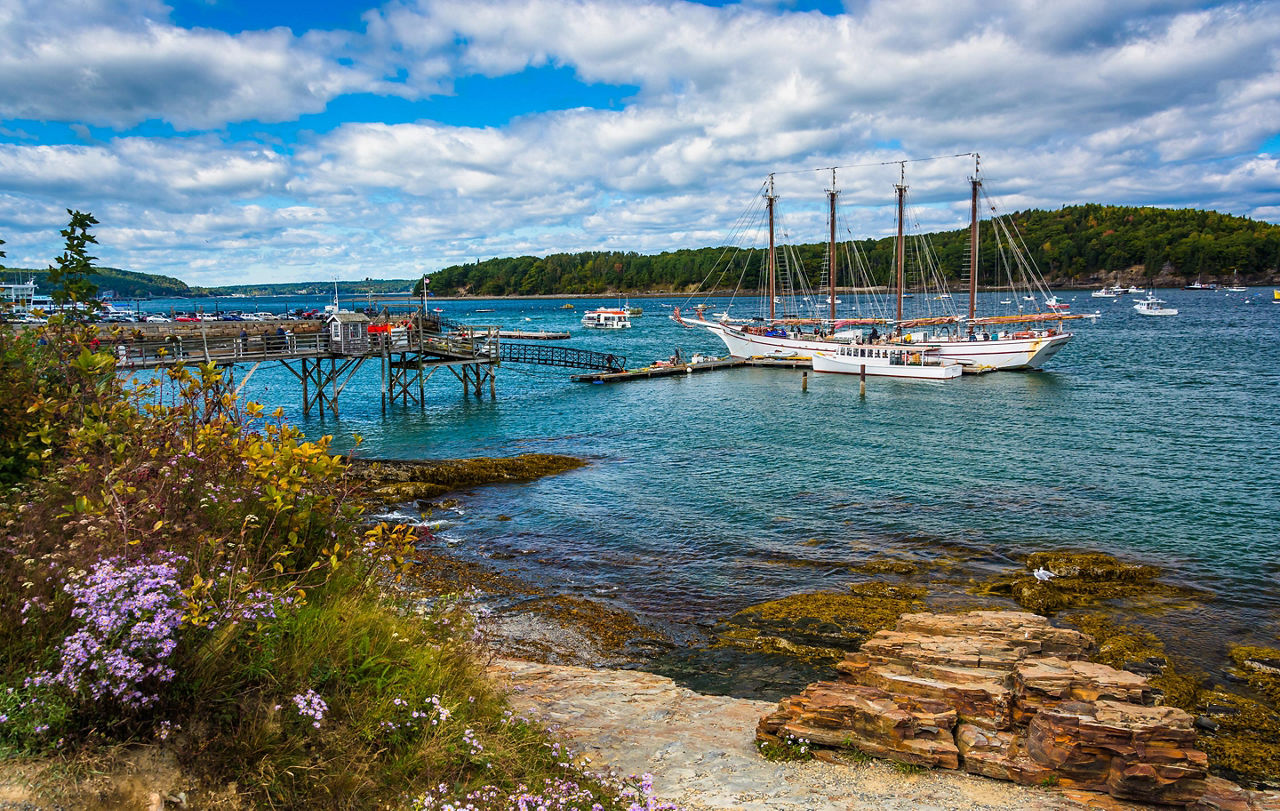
(539, 335)
(665, 369)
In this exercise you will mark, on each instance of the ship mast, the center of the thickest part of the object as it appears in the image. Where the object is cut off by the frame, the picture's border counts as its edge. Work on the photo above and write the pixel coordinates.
(976, 182)
(831, 251)
(900, 246)
(770, 199)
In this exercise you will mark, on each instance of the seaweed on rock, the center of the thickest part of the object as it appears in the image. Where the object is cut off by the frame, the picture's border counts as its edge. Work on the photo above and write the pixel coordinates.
(397, 481)
(1080, 580)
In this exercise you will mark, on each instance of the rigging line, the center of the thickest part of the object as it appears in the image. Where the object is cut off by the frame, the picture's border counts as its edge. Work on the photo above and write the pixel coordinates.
(879, 163)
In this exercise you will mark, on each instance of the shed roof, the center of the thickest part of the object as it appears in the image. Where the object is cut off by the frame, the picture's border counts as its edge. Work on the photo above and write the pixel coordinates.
(347, 318)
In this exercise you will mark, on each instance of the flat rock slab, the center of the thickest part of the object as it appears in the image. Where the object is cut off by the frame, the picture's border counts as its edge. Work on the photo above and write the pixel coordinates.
(701, 749)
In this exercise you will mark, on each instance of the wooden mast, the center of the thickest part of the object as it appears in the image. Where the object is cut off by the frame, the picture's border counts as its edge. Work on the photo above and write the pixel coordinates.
(831, 250)
(973, 242)
(900, 247)
(770, 198)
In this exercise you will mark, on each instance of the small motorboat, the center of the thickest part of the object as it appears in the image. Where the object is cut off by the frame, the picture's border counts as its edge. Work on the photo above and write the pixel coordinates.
(1153, 306)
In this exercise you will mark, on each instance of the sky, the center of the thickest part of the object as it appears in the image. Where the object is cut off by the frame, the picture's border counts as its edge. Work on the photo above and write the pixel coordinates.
(242, 141)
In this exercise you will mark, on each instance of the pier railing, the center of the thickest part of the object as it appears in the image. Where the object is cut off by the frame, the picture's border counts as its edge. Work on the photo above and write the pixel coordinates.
(255, 348)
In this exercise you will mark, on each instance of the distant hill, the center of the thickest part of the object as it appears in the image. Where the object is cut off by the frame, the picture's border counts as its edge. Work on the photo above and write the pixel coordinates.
(1074, 245)
(124, 283)
(374, 287)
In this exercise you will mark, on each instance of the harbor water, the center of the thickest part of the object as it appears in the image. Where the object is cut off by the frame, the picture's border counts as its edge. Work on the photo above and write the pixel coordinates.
(1156, 439)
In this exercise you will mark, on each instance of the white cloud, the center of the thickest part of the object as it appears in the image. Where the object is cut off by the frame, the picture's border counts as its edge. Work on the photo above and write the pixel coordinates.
(1125, 101)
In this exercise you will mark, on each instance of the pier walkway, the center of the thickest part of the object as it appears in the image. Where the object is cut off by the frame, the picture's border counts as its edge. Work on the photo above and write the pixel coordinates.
(324, 362)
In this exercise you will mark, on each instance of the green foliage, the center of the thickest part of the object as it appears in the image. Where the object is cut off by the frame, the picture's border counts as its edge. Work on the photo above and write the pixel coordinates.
(784, 749)
(70, 273)
(125, 283)
(291, 674)
(1069, 244)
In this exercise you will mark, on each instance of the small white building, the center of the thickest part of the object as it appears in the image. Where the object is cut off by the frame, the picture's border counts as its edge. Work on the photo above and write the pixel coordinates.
(348, 332)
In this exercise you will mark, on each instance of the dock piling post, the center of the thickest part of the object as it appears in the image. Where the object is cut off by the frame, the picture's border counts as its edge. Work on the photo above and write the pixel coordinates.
(862, 380)
(804, 381)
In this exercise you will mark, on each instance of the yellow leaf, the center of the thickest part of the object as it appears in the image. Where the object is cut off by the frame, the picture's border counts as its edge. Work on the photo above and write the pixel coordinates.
(157, 525)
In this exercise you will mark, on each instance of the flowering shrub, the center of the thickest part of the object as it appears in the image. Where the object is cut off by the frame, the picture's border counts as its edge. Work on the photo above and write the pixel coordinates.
(130, 616)
(178, 566)
(311, 705)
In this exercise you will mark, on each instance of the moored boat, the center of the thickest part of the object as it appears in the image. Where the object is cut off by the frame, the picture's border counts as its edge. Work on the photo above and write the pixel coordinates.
(953, 336)
(1153, 306)
(892, 360)
(607, 318)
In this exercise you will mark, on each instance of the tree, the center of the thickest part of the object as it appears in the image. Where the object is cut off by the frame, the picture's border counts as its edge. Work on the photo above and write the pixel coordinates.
(70, 274)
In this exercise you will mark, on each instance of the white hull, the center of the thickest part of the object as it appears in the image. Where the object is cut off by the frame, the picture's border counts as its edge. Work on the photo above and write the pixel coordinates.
(1003, 353)
(882, 361)
(1029, 352)
(607, 319)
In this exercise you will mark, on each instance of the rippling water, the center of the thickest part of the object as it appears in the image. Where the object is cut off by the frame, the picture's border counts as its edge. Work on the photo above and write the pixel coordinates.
(1154, 438)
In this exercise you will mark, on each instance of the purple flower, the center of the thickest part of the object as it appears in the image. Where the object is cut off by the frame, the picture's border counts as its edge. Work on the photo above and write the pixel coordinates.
(129, 616)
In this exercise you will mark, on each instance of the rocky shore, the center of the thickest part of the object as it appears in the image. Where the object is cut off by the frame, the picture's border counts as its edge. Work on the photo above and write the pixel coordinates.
(700, 750)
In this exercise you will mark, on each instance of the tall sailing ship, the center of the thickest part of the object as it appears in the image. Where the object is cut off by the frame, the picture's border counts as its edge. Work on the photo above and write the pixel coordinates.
(1019, 340)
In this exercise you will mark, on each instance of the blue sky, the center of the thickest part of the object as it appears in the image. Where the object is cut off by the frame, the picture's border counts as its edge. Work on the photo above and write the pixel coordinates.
(234, 141)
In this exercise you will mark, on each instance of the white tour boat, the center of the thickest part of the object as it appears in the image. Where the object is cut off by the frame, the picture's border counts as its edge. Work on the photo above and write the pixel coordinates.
(607, 318)
(1109, 291)
(1153, 306)
(892, 360)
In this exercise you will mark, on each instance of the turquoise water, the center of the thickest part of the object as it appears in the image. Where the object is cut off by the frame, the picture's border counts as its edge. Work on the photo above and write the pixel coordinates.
(1154, 438)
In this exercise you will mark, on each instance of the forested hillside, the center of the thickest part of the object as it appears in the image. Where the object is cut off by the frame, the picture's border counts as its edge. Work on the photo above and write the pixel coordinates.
(1072, 245)
(124, 283)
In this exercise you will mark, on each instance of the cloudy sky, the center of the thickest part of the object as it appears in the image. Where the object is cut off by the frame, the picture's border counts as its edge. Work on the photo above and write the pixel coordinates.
(225, 141)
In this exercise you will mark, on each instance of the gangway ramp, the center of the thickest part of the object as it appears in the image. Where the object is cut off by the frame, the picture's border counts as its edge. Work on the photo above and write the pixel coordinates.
(563, 356)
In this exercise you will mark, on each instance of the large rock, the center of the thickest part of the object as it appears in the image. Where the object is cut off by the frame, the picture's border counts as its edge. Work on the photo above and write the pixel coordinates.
(1006, 695)
(917, 731)
(1043, 683)
(1129, 751)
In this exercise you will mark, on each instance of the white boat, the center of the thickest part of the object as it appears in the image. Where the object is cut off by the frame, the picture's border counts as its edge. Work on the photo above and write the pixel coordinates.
(1053, 303)
(607, 318)
(919, 363)
(1235, 286)
(1023, 341)
(1130, 290)
(1110, 291)
(1153, 306)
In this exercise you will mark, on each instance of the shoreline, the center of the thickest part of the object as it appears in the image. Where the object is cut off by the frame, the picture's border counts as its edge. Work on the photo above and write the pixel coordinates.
(700, 750)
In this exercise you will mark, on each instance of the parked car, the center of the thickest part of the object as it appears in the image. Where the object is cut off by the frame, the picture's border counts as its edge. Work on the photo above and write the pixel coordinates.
(187, 319)
(157, 319)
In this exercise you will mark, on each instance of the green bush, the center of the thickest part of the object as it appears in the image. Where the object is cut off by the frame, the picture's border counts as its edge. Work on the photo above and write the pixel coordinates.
(178, 567)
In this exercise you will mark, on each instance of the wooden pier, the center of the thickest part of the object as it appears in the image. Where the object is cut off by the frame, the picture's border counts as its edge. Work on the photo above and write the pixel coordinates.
(325, 361)
(323, 365)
